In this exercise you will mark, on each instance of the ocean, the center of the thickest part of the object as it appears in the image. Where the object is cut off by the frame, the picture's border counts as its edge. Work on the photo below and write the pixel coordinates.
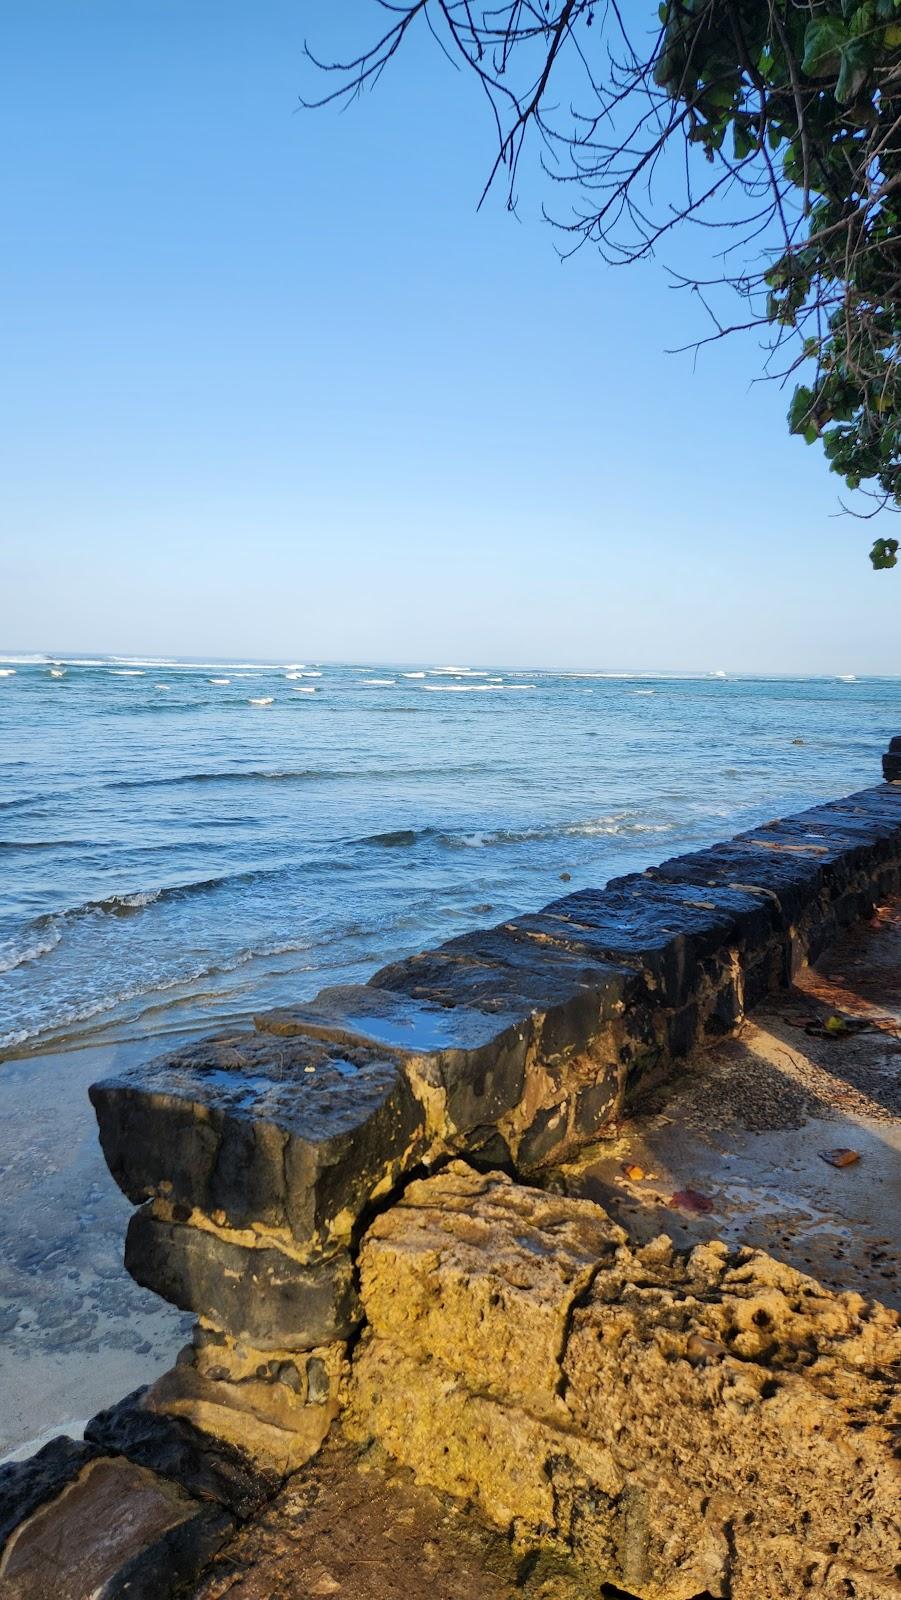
(183, 843)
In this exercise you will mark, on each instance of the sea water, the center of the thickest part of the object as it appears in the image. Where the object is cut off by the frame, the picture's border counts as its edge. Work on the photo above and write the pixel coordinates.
(183, 843)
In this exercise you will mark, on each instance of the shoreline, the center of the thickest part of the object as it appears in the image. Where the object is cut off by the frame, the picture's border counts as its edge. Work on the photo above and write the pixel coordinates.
(731, 1018)
(75, 1331)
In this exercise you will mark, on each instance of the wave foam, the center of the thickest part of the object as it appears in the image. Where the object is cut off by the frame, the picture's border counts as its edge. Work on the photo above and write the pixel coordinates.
(10, 957)
(69, 1016)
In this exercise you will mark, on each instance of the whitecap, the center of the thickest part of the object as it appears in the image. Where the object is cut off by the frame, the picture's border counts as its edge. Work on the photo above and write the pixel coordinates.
(413, 674)
(458, 672)
(264, 700)
(378, 683)
(7, 672)
(161, 686)
(57, 672)
(220, 682)
(306, 688)
(126, 672)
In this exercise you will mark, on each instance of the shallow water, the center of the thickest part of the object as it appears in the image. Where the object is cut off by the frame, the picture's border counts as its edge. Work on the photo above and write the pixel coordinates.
(183, 843)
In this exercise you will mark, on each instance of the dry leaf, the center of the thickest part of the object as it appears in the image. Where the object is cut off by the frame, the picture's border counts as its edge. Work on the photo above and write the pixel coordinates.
(842, 1157)
(692, 1200)
(631, 1171)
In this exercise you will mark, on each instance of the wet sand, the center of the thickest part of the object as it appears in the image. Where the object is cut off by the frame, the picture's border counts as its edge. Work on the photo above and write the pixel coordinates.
(75, 1332)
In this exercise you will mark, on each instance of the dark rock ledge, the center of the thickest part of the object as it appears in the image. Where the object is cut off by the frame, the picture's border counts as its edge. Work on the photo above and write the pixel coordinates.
(257, 1159)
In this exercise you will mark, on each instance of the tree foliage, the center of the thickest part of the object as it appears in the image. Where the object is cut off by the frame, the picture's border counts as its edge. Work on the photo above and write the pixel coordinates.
(777, 126)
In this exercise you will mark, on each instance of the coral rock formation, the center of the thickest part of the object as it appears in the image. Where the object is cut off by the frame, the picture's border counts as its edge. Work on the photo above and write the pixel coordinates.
(679, 1423)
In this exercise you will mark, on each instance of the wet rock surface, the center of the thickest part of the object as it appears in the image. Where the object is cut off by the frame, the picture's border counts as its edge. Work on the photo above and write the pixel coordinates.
(115, 1530)
(25, 1485)
(260, 1129)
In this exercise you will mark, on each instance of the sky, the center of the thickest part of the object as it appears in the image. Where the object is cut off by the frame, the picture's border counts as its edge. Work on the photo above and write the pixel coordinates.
(274, 388)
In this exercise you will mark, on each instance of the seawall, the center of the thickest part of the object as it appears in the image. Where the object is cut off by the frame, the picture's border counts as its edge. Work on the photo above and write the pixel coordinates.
(263, 1163)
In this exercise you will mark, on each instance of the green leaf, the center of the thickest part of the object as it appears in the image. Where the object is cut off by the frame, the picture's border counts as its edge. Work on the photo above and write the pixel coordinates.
(823, 41)
(743, 140)
(799, 411)
(855, 69)
(863, 20)
(892, 35)
(884, 554)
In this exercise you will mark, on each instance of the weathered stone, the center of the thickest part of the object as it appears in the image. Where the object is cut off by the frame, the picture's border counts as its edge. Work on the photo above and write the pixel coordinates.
(792, 882)
(571, 995)
(594, 1108)
(548, 1133)
(313, 1377)
(681, 1423)
(25, 1485)
(263, 1152)
(445, 1274)
(267, 1421)
(293, 1133)
(203, 1464)
(471, 1062)
(502, 1458)
(764, 1396)
(116, 1530)
(875, 832)
(255, 1292)
(665, 930)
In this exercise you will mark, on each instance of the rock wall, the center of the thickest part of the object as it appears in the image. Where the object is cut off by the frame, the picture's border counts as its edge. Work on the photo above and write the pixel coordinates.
(679, 1424)
(256, 1158)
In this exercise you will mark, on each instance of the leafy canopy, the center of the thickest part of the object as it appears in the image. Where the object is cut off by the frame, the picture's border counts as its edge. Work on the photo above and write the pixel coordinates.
(813, 92)
(791, 108)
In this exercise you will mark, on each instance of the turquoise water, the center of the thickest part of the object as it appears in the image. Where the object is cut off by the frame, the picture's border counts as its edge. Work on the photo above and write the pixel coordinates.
(174, 853)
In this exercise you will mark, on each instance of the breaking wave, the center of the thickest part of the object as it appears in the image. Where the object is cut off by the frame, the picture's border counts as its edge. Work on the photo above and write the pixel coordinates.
(66, 1017)
(463, 839)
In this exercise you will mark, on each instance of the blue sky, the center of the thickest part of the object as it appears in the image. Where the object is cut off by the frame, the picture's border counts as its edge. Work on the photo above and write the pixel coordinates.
(272, 386)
